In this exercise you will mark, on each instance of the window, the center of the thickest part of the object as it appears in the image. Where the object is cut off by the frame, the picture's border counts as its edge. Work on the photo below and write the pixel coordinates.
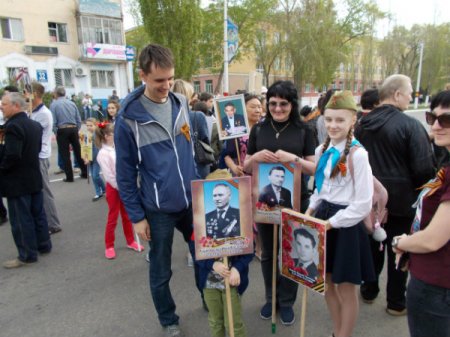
(277, 63)
(57, 32)
(18, 74)
(209, 86)
(101, 30)
(64, 77)
(12, 29)
(307, 87)
(197, 86)
(102, 79)
(288, 62)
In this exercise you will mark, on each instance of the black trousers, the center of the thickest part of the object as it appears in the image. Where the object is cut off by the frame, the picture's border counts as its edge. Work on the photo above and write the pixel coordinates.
(286, 289)
(65, 138)
(396, 279)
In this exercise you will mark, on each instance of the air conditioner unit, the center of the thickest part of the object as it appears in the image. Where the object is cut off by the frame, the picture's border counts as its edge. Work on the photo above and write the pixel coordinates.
(79, 71)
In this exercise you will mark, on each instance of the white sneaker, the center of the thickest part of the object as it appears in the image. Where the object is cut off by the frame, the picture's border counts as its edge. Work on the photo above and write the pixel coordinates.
(190, 261)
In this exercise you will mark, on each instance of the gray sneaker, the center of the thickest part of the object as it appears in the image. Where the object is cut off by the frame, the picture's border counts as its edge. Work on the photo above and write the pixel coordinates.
(173, 331)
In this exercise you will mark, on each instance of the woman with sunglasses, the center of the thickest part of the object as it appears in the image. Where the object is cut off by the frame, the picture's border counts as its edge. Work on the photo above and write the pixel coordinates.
(281, 138)
(428, 294)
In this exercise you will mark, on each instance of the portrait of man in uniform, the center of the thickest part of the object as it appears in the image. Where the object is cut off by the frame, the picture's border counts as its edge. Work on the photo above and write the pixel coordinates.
(274, 194)
(224, 221)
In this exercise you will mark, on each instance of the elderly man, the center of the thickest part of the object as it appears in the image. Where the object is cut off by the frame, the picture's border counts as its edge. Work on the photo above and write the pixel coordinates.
(232, 123)
(401, 158)
(223, 222)
(21, 181)
(43, 116)
(67, 122)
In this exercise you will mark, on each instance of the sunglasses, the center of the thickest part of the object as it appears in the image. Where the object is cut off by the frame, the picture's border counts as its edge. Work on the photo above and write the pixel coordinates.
(443, 120)
(283, 104)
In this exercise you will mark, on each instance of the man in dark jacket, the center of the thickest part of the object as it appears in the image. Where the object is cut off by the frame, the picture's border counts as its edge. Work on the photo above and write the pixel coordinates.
(401, 158)
(21, 181)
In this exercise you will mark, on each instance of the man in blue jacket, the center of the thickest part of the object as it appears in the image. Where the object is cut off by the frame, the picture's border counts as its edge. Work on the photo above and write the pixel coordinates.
(155, 165)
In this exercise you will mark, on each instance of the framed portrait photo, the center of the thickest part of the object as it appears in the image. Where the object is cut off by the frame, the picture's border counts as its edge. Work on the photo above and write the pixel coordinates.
(275, 186)
(86, 140)
(231, 115)
(303, 249)
(222, 217)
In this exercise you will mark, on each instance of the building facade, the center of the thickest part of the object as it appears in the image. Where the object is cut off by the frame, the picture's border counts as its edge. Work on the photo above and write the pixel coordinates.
(79, 44)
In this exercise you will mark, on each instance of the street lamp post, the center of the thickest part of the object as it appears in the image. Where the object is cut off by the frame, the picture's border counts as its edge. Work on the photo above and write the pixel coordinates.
(419, 73)
(225, 49)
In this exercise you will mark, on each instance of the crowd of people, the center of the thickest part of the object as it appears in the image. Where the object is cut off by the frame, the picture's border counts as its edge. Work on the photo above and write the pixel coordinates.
(152, 130)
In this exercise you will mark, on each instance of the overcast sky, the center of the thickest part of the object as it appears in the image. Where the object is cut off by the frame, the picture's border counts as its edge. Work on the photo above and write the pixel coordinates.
(404, 12)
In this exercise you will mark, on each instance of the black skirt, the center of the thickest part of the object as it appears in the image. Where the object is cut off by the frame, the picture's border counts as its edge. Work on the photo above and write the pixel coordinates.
(348, 254)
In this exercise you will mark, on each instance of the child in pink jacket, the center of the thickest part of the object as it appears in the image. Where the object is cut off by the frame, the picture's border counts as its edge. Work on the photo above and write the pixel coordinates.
(106, 158)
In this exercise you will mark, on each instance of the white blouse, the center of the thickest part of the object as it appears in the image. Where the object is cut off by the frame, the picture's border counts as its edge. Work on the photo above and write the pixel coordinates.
(355, 194)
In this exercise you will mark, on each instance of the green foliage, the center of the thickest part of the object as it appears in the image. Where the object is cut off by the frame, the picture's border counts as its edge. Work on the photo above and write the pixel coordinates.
(318, 40)
(137, 37)
(400, 53)
(175, 24)
(47, 98)
(246, 14)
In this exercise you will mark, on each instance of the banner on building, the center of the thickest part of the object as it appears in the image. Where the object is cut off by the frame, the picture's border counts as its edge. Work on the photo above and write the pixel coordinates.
(233, 39)
(104, 51)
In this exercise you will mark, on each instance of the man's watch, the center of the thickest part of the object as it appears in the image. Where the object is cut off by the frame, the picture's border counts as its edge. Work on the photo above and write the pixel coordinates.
(395, 241)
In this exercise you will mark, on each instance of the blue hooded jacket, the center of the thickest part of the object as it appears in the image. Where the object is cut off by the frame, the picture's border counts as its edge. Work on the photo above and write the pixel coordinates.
(154, 170)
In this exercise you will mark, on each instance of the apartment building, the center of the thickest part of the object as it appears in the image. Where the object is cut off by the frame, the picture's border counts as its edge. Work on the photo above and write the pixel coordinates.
(76, 43)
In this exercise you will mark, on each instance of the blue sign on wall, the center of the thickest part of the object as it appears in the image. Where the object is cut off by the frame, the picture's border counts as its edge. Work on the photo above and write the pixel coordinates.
(130, 53)
(41, 75)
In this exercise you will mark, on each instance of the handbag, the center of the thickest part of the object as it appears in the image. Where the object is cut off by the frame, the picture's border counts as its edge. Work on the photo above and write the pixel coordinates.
(203, 153)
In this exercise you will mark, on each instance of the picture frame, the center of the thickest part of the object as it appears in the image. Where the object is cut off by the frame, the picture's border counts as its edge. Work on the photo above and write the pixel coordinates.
(267, 203)
(223, 226)
(86, 142)
(231, 116)
(303, 250)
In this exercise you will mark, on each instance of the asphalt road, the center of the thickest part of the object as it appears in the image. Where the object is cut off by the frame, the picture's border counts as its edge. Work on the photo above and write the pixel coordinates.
(76, 292)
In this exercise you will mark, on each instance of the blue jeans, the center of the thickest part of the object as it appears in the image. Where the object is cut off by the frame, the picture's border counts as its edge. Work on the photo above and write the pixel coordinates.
(29, 226)
(162, 226)
(428, 309)
(97, 181)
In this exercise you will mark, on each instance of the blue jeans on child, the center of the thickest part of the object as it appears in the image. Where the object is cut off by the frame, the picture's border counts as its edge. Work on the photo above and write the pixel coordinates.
(97, 181)
(162, 227)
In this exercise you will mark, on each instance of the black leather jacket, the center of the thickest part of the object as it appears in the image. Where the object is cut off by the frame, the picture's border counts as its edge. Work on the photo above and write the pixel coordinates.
(399, 153)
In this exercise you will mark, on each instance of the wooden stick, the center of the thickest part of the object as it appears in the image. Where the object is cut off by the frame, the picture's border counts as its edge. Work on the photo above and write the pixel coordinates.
(237, 151)
(228, 295)
(303, 317)
(274, 279)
